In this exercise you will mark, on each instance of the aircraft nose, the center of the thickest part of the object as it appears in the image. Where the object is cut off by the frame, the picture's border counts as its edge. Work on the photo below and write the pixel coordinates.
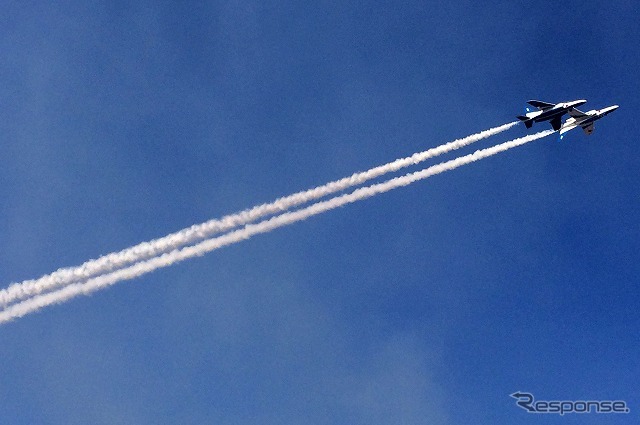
(608, 110)
(579, 102)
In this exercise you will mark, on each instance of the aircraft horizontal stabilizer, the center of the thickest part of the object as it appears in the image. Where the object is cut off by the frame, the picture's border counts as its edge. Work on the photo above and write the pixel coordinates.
(526, 120)
(540, 104)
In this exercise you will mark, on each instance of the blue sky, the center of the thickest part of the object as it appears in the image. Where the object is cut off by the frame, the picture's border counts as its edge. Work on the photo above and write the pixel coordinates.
(123, 122)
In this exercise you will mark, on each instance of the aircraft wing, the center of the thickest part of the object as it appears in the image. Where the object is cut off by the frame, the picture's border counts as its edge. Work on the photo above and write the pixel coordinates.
(556, 123)
(588, 129)
(576, 113)
(540, 104)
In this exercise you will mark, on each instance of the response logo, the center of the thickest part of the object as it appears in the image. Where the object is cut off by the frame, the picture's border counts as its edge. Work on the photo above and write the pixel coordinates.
(527, 402)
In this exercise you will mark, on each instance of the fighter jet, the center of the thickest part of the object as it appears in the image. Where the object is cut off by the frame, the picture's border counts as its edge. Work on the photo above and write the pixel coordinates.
(552, 112)
(585, 119)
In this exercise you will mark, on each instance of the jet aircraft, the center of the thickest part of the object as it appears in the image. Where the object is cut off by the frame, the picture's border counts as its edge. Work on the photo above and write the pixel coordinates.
(585, 119)
(551, 112)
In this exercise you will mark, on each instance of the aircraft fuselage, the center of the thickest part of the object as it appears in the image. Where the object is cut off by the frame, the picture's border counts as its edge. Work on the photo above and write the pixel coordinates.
(585, 120)
(551, 112)
(557, 110)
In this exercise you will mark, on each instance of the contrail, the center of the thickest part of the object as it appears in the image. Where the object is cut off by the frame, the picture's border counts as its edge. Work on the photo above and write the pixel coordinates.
(113, 261)
(167, 259)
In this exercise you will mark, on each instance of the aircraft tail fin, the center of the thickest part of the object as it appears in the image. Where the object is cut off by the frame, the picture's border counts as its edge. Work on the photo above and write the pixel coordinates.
(528, 122)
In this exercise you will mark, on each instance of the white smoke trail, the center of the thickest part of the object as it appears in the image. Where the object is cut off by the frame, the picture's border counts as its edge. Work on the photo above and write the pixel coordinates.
(167, 259)
(144, 250)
